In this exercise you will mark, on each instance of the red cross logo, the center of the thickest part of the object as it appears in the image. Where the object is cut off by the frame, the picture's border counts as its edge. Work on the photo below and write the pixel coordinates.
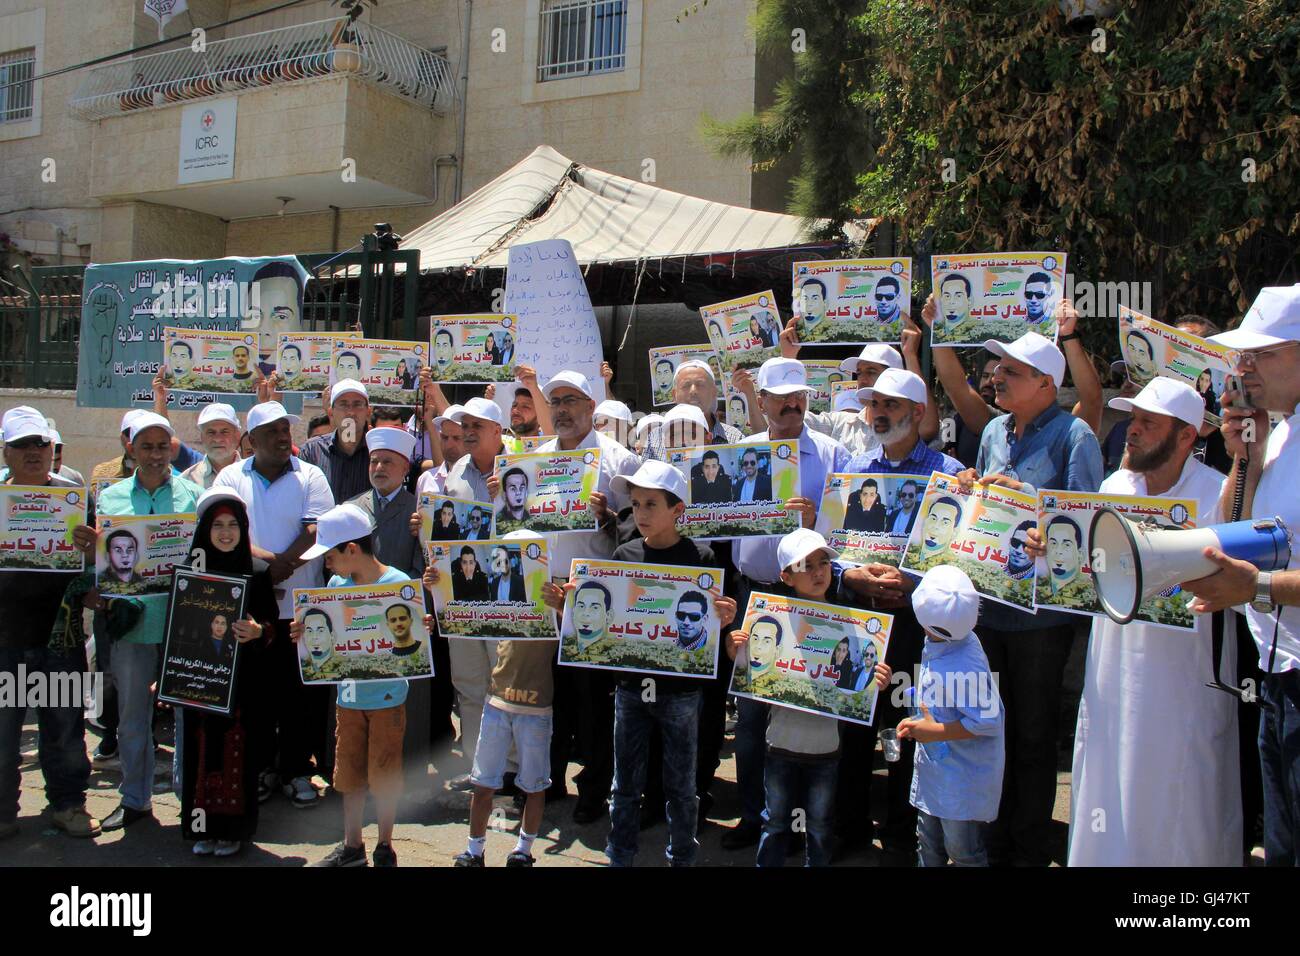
(208, 119)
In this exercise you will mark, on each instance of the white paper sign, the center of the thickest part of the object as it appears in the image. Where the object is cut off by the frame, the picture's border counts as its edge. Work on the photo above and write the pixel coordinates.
(207, 141)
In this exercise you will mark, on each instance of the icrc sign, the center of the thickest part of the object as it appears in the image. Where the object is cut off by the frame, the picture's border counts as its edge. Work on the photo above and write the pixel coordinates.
(207, 141)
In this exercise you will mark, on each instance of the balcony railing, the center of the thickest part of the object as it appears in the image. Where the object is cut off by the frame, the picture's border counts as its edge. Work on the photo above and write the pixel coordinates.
(290, 54)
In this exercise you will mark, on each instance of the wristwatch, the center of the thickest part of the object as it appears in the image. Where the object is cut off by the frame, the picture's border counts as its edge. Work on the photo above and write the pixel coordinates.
(1066, 338)
(1263, 602)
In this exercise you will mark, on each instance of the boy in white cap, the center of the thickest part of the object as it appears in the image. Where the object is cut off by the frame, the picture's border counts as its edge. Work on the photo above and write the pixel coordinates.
(658, 493)
(803, 750)
(957, 780)
(614, 420)
(372, 713)
(342, 455)
(219, 433)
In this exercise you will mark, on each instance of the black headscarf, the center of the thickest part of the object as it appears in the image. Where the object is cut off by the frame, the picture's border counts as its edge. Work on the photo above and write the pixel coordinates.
(238, 561)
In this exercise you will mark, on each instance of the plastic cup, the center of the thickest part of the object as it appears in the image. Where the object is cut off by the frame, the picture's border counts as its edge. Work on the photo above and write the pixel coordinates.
(889, 741)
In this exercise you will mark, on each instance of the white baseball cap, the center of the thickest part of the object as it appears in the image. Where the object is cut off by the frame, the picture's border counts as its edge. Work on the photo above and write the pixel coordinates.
(897, 383)
(345, 386)
(799, 544)
(1273, 318)
(1035, 351)
(651, 474)
(388, 438)
(1165, 396)
(946, 602)
(695, 363)
(612, 409)
(448, 415)
(129, 417)
(266, 413)
(23, 421)
(846, 400)
(339, 525)
(876, 352)
(567, 379)
(686, 413)
(213, 496)
(483, 408)
(150, 420)
(649, 421)
(219, 412)
(783, 376)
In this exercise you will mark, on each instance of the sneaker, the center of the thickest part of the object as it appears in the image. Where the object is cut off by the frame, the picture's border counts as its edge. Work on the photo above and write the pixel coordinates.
(227, 848)
(301, 792)
(519, 858)
(468, 859)
(76, 822)
(267, 782)
(204, 847)
(384, 855)
(344, 855)
(105, 756)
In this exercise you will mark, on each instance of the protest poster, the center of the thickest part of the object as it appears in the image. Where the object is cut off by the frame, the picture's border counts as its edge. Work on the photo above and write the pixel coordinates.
(663, 368)
(1150, 348)
(546, 491)
(996, 295)
(852, 300)
(868, 518)
(823, 376)
(223, 363)
(643, 618)
(733, 408)
(125, 306)
(981, 532)
(1064, 578)
(530, 443)
(36, 523)
(557, 324)
(490, 590)
(135, 553)
(738, 490)
(303, 360)
(809, 656)
(451, 519)
(478, 348)
(743, 332)
(389, 369)
(200, 650)
(367, 632)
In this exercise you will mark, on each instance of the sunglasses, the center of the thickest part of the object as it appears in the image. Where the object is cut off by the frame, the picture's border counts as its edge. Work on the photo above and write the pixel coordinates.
(31, 442)
(1035, 295)
(688, 616)
(885, 297)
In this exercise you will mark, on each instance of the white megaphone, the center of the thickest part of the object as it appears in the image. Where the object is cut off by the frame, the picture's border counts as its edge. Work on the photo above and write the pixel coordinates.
(1132, 561)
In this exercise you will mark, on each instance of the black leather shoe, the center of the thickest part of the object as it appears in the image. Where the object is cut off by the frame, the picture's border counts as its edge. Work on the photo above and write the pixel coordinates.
(124, 816)
(742, 835)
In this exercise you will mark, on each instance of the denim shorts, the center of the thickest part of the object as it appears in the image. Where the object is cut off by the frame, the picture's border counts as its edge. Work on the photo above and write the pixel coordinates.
(531, 734)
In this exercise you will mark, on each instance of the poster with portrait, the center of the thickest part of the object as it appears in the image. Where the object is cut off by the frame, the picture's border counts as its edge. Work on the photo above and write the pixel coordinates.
(492, 590)
(389, 369)
(643, 618)
(546, 491)
(809, 656)
(303, 359)
(1065, 575)
(200, 650)
(451, 519)
(739, 490)
(852, 300)
(996, 295)
(134, 554)
(663, 367)
(743, 332)
(733, 408)
(823, 376)
(868, 518)
(363, 633)
(477, 348)
(224, 363)
(530, 443)
(36, 523)
(981, 532)
(1150, 348)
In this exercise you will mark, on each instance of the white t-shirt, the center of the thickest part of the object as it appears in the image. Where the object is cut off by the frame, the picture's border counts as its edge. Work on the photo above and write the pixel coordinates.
(1275, 497)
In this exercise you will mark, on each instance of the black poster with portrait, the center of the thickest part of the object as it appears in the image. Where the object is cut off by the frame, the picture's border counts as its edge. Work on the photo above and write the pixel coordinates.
(200, 652)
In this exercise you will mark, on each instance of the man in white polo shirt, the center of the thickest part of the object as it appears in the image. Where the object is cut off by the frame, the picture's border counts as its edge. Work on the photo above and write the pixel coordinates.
(1268, 363)
(285, 497)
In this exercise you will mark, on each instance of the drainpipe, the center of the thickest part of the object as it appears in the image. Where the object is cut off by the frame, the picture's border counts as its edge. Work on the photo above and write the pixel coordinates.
(334, 230)
(464, 95)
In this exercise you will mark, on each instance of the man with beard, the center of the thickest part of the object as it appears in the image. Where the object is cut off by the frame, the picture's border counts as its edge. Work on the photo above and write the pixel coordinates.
(694, 383)
(888, 307)
(505, 582)
(907, 502)
(751, 484)
(1019, 564)
(1141, 675)
(243, 360)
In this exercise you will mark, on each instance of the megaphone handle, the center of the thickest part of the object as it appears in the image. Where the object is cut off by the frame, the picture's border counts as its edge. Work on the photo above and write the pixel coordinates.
(1239, 489)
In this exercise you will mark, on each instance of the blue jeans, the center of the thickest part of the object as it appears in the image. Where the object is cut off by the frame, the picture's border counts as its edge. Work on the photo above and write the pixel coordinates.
(135, 666)
(678, 718)
(62, 734)
(792, 784)
(962, 840)
(751, 749)
(1279, 759)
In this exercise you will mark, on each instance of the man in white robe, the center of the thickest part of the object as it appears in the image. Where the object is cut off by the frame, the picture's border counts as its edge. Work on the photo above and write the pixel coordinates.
(1155, 776)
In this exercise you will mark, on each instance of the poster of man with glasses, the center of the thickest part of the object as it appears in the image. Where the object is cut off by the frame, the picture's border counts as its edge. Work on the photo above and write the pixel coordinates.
(852, 300)
(996, 295)
(868, 517)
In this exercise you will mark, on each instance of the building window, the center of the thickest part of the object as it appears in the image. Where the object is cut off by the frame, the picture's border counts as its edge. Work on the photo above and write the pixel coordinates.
(16, 85)
(581, 37)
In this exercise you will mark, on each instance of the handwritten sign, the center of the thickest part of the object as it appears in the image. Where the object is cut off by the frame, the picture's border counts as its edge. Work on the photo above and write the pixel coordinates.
(200, 651)
(492, 590)
(476, 348)
(744, 332)
(363, 633)
(223, 363)
(547, 491)
(996, 295)
(852, 300)
(134, 554)
(36, 523)
(738, 490)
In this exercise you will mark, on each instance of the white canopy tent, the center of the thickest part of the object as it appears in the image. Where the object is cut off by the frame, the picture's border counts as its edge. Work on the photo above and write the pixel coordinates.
(605, 217)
